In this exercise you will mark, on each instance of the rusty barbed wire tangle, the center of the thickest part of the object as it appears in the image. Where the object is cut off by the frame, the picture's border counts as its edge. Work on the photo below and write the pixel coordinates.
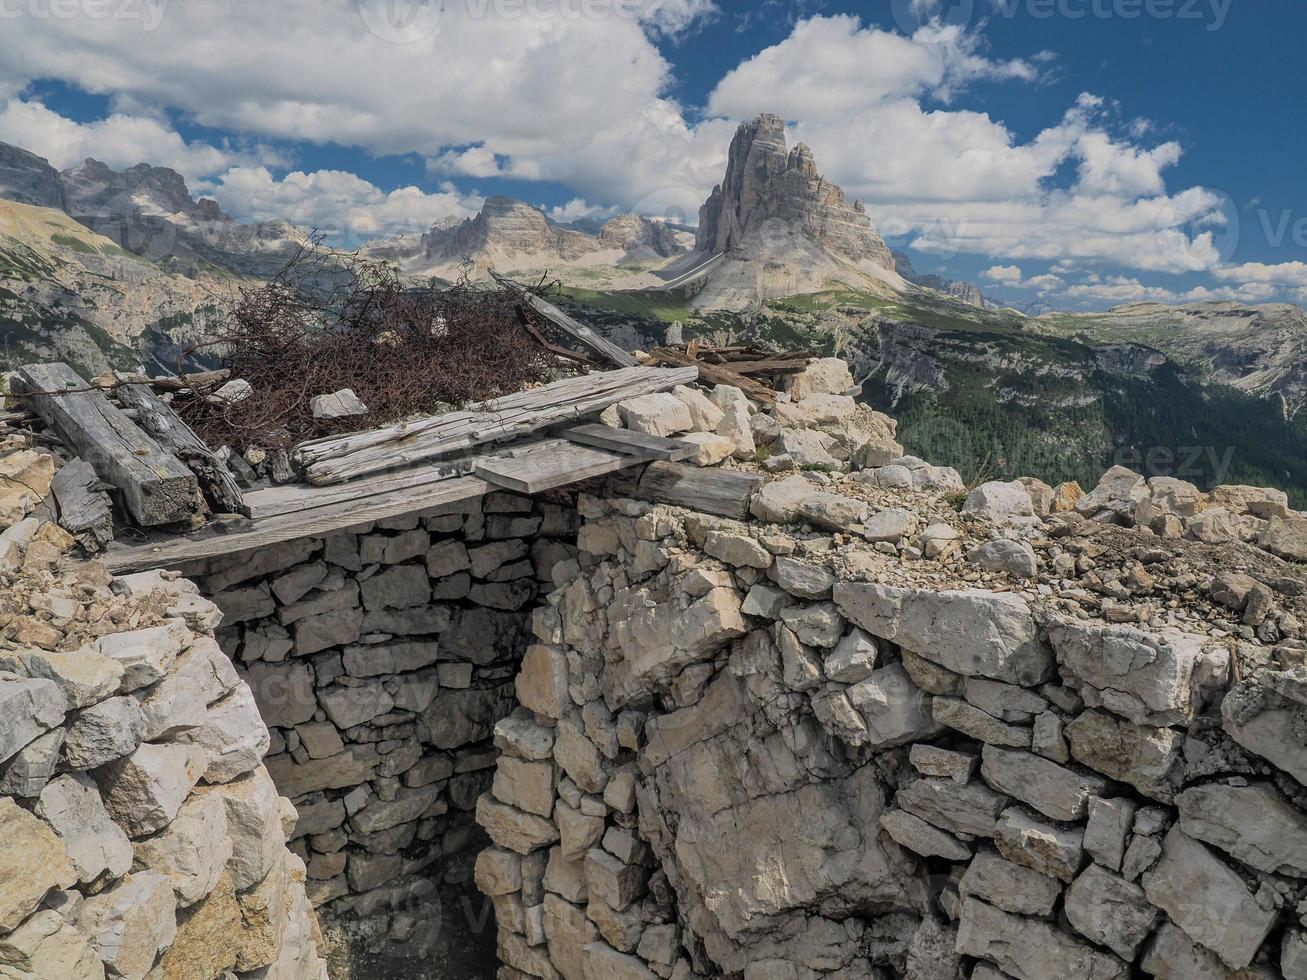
(329, 321)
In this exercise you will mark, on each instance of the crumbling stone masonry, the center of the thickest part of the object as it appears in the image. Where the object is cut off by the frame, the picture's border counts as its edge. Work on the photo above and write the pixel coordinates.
(380, 660)
(862, 734)
(763, 750)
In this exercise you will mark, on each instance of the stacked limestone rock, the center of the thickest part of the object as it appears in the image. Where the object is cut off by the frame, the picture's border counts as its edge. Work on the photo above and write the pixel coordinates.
(1173, 508)
(818, 425)
(380, 660)
(140, 834)
(865, 735)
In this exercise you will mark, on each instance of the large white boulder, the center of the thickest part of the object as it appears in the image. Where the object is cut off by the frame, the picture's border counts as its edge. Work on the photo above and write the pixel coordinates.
(1208, 900)
(969, 631)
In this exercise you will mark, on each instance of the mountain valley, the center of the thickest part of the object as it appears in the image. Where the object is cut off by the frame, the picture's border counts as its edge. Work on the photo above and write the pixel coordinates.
(127, 269)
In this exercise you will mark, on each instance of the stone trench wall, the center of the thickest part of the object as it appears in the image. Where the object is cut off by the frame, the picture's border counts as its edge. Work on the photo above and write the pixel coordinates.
(380, 660)
(739, 753)
(140, 833)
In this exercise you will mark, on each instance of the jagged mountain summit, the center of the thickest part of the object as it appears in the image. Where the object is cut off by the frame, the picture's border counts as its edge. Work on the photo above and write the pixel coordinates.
(764, 183)
(774, 227)
(29, 179)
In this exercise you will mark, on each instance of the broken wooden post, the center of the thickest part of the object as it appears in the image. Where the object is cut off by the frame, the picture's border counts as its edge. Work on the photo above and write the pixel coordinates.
(156, 488)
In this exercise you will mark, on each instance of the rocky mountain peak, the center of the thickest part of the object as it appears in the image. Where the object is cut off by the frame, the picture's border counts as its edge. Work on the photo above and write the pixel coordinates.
(504, 228)
(765, 180)
(94, 188)
(632, 231)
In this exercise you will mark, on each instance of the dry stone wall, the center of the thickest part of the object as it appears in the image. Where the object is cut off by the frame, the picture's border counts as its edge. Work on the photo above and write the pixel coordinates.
(140, 832)
(774, 750)
(380, 660)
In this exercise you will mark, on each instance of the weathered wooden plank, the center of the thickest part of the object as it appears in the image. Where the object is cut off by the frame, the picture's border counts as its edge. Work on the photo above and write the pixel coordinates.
(579, 332)
(85, 510)
(725, 493)
(716, 374)
(340, 458)
(553, 468)
(155, 416)
(232, 535)
(289, 499)
(630, 442)
(155, 487)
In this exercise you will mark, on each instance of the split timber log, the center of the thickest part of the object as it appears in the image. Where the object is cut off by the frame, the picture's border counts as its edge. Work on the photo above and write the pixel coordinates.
(85, 510)
(339, 458)
(155, 487)
(629, 442)
(559, 467)
(579, 332)
(159, 420)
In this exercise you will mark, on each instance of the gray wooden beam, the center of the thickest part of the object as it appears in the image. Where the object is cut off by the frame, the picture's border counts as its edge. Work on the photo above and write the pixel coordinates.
(726, 493)
(632, 443)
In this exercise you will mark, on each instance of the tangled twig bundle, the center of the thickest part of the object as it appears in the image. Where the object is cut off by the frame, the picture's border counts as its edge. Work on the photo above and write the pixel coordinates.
(328, 322)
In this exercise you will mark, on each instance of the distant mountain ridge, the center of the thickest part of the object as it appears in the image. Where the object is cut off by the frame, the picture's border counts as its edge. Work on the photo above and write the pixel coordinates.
(967, 292)
(121, 269)
(149, 211)
(1261, 350)
(512, 236)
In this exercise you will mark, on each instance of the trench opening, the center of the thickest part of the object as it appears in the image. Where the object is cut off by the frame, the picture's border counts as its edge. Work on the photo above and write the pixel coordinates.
(381, 659)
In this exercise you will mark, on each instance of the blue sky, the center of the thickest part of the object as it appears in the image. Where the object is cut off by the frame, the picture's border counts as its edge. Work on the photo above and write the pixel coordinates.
(1074, 153)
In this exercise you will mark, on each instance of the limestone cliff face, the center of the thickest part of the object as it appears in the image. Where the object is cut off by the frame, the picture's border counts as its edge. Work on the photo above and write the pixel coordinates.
(766, 180)
(29, 179)
(148, 211)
